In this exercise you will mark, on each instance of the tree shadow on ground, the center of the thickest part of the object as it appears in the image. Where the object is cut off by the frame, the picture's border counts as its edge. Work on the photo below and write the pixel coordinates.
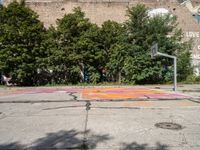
(136, 146)
(12, 146)
(71, 139)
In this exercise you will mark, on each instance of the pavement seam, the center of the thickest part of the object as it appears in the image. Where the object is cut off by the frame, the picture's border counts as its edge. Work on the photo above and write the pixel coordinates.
(195, 100)
(85, 100)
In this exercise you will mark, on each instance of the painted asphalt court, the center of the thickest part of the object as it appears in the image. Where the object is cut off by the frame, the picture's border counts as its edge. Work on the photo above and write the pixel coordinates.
(95, 93)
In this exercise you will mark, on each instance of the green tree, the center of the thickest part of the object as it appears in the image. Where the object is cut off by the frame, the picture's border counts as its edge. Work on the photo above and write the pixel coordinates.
(142, 31)
(72, 48)
(184, 61)
(76, 48)
(114, 49)
(21, 34)
(92, 55)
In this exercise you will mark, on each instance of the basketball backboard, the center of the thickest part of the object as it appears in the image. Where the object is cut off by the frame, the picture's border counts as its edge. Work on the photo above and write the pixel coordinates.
(154, 50)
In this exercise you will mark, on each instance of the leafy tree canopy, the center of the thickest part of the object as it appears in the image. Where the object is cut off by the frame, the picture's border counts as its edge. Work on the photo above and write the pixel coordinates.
(77, 50)
(142, 31)
(20, 36)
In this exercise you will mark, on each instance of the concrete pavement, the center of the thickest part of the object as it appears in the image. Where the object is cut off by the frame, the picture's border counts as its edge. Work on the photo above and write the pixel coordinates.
(123, 125)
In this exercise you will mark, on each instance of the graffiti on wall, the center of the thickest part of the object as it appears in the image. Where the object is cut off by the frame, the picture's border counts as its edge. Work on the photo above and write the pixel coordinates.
(191, 34)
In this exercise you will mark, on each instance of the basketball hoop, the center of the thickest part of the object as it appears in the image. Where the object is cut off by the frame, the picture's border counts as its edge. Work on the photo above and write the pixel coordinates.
(154, 53)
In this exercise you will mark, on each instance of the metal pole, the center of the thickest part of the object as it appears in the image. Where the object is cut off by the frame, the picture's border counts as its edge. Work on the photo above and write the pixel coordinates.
(175, 67)
(175, 75)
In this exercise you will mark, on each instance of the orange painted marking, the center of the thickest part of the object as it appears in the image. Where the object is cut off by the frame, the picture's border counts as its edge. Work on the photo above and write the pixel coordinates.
(127, 93)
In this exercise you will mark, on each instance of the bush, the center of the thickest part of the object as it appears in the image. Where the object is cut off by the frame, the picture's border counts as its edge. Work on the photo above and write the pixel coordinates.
(192, 79)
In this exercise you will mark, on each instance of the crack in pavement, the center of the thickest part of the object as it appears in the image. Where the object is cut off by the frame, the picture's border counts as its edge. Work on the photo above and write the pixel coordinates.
(147, 97)
(74, 96)
(195, 100)
(88, 107)
(63, 107)
(2, 116)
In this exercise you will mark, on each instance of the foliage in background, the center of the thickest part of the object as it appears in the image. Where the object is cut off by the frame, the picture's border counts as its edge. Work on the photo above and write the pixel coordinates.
(142, 31)
(78, 51)
(20, 36)
(71, 49)
(191, 79)
(114, 48)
